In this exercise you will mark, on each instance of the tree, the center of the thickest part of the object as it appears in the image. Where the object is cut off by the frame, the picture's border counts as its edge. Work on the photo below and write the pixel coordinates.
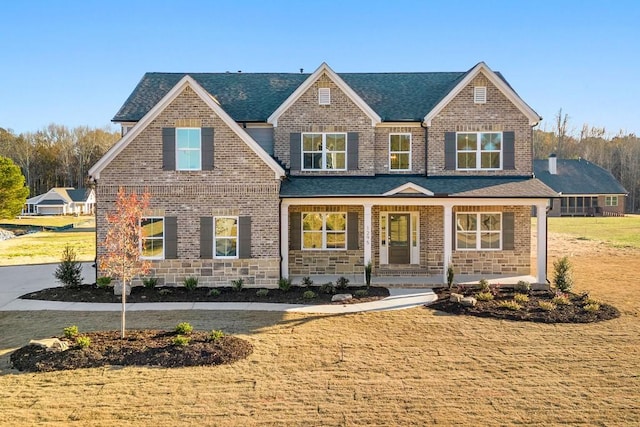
(122, 243)
(69, 271)
(13, 193)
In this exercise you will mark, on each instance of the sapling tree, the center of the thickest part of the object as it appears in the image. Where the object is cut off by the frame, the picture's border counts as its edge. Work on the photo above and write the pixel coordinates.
(121, 259)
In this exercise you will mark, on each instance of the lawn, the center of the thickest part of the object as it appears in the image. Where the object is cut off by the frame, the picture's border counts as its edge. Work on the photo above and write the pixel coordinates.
(46, 247)
(52, 221)
(618, 231)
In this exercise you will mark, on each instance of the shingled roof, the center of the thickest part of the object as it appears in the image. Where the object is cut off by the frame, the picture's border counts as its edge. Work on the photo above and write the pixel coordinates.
(578, 177)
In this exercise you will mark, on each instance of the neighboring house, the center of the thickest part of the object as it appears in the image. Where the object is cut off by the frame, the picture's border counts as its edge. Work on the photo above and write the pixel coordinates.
(62, 201)
(269, 175)
(586, 189)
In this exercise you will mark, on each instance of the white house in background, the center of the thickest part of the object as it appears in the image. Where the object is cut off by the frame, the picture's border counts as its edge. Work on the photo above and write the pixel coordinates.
(62, 201)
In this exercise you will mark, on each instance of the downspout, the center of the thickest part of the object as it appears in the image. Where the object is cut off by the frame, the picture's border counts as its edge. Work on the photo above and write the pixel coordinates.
(280, 234)
(95, 214)
(426, 148)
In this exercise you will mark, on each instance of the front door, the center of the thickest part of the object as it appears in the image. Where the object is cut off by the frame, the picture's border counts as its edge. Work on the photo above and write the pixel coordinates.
(399, 247)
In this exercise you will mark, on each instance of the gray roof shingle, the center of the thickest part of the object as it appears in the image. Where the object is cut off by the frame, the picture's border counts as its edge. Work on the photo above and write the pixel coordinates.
(578, 177)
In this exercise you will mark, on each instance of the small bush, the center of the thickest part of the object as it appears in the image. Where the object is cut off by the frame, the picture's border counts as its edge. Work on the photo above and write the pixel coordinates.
(165, 291)
(306, 281)
(342, 283)
(83, 342)
(70, 332)
(309, 295)
(561, 299)
(521, 298)
(214, 292)
(237, 284)
(103, 282)
(190, 283)
(509, 305)
(367, 273)
(484, 285)
(183, 328)
(180, 341)
(284, 284)
(215, 335)
(328, 288)
(522, 286)
(562, 275)
(591, 308)
(546, 305)
(484, 296)
(150, 282)
(69, 272)
(589, 300)
(450, 275)
(262, 292)
(361, 293)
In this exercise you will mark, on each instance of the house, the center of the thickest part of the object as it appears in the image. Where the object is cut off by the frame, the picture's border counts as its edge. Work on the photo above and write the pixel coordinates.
(62, 201)
(585, 188)
(267, 175)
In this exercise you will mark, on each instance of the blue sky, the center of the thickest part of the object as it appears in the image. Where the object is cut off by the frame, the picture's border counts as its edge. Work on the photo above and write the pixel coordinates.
(75, 62)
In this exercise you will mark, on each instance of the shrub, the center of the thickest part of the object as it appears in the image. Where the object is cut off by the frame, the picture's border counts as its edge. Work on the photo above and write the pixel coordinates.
(69, 271)
(591, 308)
(342, 283)
(521, 298)
(284, 284)
(150, 282)
(562, 274)
(328, 288)
(561, 299)
(522, 286)
(484, 296)
(190, 283)
(450, 274)
(83, 342)
(361, 293)
(165, 291)
(306, 281)
(588, 300)
(215, 335)
(309, 295)
(509, 305)
(183, 328)
(180, 341)
(546, 305)
(367, 273)
(103, 281)
(237, 284)
(214, 292)
(262, 292)
(70, 332)
(484, 285)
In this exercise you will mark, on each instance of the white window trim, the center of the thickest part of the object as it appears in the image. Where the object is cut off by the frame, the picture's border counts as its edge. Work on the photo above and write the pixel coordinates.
(480, 95)
(479, 151)
(237, 237)
(612, 201)
(161, 256)
(325, 152)
(324, 96)
(401, 152)
(199, 149)
(324, 231)
(479, 232)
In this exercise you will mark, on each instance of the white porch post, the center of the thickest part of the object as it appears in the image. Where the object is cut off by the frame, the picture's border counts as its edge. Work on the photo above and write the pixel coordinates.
(284, 239)
(367, 233)
(448, 240)
(541, 215)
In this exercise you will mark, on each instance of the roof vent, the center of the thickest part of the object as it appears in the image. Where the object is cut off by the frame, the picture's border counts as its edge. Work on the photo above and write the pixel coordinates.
(324, 96)
(553, 164)
(480, 95)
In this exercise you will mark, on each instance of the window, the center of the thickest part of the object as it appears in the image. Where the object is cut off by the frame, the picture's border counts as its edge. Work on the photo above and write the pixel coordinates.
(611, 200)
(324, 151)
(324, 96)
(225, 237)
(478, 231)
(188, 149)
(479, 150)
(152, 239)
(480, 95)
(400, 152)
(324, 231)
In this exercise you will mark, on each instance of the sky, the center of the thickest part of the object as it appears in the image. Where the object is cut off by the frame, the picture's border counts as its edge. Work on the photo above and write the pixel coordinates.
(74, 63)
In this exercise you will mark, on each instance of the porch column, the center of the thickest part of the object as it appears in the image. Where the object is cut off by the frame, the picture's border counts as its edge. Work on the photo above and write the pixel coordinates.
(367, 233)
(541, 215)
(284, 239)
(448, 240)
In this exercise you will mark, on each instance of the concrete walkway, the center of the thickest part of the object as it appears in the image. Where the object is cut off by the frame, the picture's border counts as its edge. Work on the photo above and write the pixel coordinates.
(19, 280)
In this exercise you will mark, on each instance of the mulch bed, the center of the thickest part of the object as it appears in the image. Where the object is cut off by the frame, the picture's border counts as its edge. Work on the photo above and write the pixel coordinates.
(91, 293)
(139, 347)
(530, 311)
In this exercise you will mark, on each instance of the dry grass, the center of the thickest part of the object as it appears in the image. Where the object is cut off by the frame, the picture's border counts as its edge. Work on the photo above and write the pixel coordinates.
(412, 367)
(46, 247)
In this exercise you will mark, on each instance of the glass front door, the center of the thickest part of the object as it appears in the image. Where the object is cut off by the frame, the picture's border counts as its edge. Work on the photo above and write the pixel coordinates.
(399, 238)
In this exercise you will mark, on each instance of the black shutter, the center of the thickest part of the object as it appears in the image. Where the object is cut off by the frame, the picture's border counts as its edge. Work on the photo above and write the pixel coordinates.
(352, 150)
(295, 231)
(508, 231)
(353, 237)
(295, 151)
(244, 240)
(450, 151)
(508, 151)
(206, 237)
(207, 149)
(169, 149)
(170, 237)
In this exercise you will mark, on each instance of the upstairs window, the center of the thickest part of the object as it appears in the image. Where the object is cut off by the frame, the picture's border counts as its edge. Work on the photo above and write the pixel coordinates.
(324, 231)
(479, 150)
(324, 151)
(478, 231)
(152, 239)
(400, 152)
(480, 95)
(188, 149)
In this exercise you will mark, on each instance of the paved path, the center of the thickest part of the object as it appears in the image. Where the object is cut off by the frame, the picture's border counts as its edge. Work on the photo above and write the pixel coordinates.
(19, 280)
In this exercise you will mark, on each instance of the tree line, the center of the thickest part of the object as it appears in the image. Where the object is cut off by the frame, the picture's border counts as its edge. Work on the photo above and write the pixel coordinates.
(618, 153)
(56, 156)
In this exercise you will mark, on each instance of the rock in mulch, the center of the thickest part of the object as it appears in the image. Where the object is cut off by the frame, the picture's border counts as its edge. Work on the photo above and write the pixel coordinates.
(341, 297)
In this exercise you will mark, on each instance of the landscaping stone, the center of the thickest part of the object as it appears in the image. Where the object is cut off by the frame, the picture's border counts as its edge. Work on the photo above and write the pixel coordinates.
(117, 289)
(51, 344)
(468, 301)
(455, 297)
(341, 297)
